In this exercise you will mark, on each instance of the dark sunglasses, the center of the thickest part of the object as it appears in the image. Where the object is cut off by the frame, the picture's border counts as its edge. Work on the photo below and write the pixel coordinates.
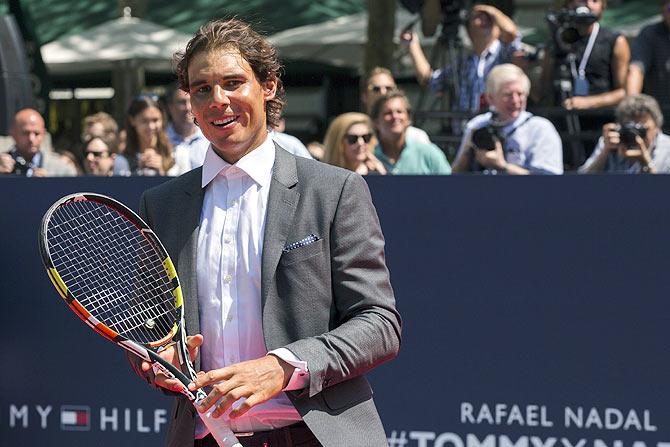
(95, 154)
(353, 139)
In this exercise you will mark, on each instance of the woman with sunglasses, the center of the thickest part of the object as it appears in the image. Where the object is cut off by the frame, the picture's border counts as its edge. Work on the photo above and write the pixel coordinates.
(349, 144)
(148, 149)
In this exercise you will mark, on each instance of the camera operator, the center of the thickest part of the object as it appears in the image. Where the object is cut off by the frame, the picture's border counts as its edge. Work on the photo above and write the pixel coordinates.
(26, 158)
(509, 140)
(634, 144)
(494, 38)
(650, 62)
(600, 56)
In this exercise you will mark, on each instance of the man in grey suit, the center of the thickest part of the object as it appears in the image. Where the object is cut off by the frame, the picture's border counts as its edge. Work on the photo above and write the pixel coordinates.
(26, 157)
(287, 295)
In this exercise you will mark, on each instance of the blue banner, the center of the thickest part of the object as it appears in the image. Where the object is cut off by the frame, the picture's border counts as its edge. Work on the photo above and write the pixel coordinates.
(535, 314)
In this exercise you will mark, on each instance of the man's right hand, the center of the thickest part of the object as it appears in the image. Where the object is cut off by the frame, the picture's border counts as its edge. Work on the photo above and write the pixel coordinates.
(6, 164)
(170, 354)
(611, 137)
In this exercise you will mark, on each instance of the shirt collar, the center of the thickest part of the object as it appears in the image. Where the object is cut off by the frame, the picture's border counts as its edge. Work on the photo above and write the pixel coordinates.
(491, 49)
(257, 164)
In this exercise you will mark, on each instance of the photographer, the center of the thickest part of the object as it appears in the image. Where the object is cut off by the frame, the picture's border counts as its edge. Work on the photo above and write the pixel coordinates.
(596, 58)
(509, 140)
(26, 158)
(634, 144)
(495, 39)
(649, 70)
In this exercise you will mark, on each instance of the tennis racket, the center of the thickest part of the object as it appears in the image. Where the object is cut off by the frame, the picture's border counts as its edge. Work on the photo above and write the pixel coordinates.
(115, 274)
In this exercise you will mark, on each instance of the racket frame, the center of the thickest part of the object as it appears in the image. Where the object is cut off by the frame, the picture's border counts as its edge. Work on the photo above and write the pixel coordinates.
(149, 352)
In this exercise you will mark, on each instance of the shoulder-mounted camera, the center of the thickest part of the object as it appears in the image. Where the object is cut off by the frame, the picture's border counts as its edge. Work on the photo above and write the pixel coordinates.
(564, 26)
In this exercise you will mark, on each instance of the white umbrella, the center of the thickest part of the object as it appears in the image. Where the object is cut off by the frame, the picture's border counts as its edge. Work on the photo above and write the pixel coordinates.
(127, 46)
(103, 47)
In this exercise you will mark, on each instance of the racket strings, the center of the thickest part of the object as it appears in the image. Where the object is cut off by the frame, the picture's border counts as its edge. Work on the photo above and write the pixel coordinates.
(113, 270)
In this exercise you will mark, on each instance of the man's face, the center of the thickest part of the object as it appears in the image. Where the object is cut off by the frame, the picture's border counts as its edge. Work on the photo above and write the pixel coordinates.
(97, 158)
(228, 101)
(28, 133)
(378, 85)
(393, 118)
(509, 101)
(180, 108)
(666, 13)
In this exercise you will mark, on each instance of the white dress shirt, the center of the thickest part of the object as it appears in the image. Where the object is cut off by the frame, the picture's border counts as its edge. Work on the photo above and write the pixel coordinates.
(229, 252)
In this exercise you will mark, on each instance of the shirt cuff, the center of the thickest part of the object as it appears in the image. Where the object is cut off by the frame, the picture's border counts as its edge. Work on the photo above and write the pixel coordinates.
(300, 377)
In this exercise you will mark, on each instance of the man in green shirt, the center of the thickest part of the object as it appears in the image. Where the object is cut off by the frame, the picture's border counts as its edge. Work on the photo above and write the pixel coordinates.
(391, 118)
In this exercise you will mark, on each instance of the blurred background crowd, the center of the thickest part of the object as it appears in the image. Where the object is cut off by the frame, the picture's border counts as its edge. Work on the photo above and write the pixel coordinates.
(430, 87)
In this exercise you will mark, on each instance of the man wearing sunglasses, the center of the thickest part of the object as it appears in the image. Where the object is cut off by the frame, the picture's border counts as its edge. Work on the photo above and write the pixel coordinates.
(376, 84)
(649, 70)
(634, 144)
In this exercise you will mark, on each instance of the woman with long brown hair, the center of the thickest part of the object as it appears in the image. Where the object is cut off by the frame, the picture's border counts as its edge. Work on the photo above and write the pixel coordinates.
(148, 149)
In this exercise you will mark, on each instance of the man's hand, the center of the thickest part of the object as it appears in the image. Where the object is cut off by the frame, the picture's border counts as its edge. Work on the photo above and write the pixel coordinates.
(611, 137)
(490, 10)
(640, 152)
(170, 354)
(6, 164)
(256, 380)
(493, 159)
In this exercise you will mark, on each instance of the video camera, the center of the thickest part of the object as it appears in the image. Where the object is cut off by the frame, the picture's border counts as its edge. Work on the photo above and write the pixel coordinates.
(564, 26)
(628, 133)
(454, 14)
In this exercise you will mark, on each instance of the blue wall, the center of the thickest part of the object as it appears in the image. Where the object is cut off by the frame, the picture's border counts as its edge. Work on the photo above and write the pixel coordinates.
(533, 296)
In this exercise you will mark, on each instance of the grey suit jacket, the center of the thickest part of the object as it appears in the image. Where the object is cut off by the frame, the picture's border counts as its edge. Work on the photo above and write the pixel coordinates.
(329, 302)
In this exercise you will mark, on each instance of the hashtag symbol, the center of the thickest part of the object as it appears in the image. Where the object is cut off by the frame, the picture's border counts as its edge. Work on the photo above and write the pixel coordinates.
(397, 441)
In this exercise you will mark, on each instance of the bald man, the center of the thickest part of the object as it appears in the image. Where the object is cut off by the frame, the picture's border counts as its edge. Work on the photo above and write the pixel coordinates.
(25, 157)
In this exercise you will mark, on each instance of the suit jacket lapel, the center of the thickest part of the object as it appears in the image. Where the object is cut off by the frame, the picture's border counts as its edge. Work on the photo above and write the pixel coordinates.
(282, 203)
(189, 223)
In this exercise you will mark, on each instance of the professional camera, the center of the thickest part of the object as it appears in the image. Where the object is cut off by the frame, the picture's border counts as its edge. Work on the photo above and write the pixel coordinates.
(628, 133)
(454, 14)
(21, 166)
(486, 137)
(564, 26)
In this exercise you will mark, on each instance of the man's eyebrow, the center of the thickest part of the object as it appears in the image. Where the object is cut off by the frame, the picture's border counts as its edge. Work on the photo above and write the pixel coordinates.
(196, 83)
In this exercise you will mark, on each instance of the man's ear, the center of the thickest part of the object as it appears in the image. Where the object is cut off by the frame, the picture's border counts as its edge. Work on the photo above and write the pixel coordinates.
(269, 89)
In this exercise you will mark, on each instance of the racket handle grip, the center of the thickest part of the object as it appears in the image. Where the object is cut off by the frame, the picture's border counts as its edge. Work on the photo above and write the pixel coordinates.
(221, 432)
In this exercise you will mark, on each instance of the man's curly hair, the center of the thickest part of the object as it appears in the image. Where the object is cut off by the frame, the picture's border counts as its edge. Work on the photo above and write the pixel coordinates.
(254, 48)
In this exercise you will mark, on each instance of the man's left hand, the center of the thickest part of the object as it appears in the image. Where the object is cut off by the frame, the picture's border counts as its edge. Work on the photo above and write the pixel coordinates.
(255, 380)
(639, 153)
(492, 159)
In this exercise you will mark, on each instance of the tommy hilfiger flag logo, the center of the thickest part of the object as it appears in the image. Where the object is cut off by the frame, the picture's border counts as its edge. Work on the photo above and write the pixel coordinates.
(76, 418)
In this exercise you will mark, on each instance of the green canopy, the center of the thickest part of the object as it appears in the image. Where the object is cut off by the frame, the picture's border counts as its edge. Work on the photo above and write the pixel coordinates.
(56, 18)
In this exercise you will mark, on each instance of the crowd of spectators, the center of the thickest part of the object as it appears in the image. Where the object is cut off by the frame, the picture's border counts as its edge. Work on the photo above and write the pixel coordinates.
(592, 68)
